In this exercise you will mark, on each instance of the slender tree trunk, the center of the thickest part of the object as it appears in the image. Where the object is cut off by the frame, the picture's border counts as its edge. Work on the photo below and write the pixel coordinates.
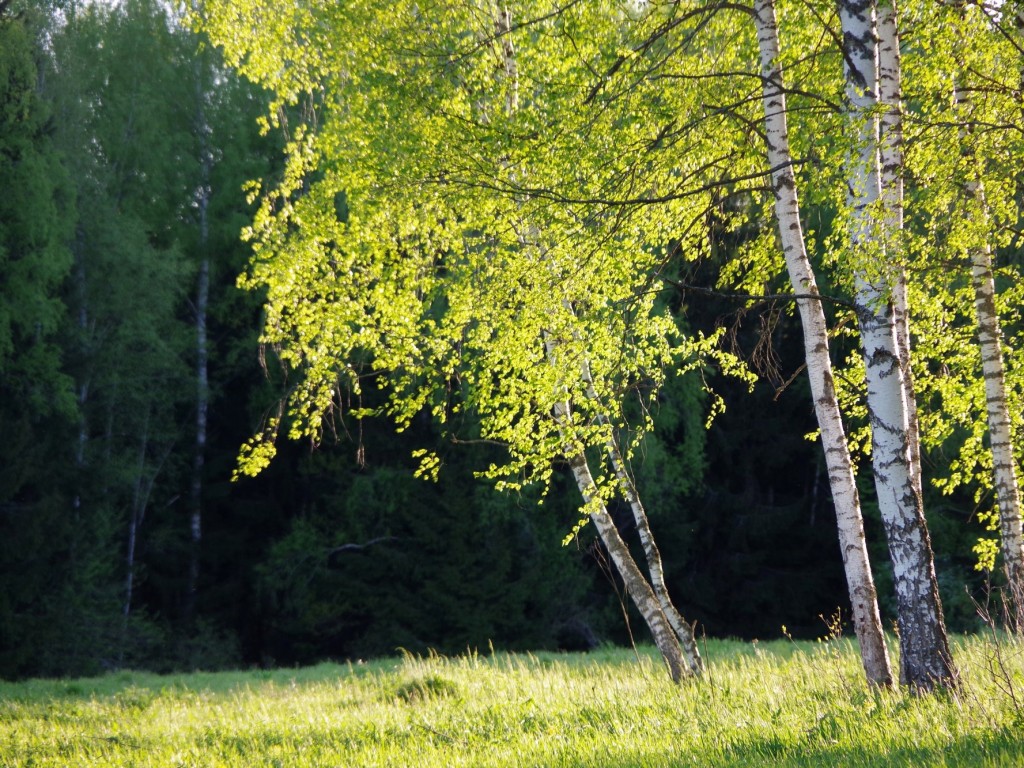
(996, 401)
(1004, 467)
(636, 585)
(639, 589)
(135, 516)
(202, 408)
(202, 348)
(129, 579)
(925, 659)
(82, 385)
(890, 79)
(655, 568)
(503, 26)
(682, 628)
(863, 597)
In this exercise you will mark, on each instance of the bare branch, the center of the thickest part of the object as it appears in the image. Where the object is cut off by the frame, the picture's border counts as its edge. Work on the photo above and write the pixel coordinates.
(360, 547)
(684, 287)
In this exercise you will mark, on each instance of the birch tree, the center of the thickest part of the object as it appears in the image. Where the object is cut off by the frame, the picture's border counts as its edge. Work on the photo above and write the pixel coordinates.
(973, 113)
(477, 203)
(925, 659)
(867, 621)
(989, 334)
(435, 273)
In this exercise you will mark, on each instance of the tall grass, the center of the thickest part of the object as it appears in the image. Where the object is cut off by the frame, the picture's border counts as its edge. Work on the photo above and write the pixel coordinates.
(777, 703)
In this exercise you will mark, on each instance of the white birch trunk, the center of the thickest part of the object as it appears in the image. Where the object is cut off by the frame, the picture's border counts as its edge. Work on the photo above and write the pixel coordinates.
(81, 386)
(890, 78)
(997, 410)
(140, 499)
(639, 589)
(135, 516)
(141, 494)
(925, 660)
(1000, 435)
(202, 128)
(682, 628)
(503, 26)
(852, 541)
(636, 585)
(202, 409)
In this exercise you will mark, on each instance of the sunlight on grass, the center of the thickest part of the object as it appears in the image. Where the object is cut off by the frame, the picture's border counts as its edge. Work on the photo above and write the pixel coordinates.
(779, 703)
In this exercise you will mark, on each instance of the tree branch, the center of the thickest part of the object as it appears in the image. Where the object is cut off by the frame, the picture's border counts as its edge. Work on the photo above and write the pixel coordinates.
(360, 547)
(684, 287)
(543, 193)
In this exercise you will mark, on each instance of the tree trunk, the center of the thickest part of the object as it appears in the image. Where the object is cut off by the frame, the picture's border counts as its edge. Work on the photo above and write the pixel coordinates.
(202, 408)
(135, 516)
(852, 541)
(925, 659)
(1004, 468)
(997, 410)
(682, 629)
(82, 385)
(890, 78)
(636, 585)
(639, 589)
(202, 349)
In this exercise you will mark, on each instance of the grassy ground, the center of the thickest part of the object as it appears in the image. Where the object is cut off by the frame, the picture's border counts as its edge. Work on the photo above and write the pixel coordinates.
(778, 703)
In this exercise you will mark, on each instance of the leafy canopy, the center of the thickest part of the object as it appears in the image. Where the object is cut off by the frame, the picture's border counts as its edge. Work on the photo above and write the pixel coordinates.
(477, 209)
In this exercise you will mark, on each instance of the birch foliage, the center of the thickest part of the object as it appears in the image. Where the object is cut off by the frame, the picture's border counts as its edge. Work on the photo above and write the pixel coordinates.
(429, 237)
(476, 215)
(972, 210)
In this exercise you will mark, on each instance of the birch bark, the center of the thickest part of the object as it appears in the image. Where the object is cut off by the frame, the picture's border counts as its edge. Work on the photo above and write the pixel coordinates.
(890, 78)
(135, 518)
(1000, 436)
(997, 410)
(672, 635)
(925, 659)
(852, 541)
(682, 628)
(637, 586)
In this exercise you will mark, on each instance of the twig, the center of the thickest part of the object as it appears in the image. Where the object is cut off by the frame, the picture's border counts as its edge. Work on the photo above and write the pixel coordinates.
(360, 547)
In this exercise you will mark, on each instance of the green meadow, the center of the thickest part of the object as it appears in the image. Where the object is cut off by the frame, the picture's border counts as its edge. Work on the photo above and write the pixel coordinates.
(772, 703)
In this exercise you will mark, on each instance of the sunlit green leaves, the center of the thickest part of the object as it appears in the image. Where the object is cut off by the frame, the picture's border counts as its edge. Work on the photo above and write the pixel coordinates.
(505, 192)
(506, 187)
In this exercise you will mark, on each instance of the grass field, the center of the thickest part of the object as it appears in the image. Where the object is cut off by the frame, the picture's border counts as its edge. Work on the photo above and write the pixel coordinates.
(777, 703)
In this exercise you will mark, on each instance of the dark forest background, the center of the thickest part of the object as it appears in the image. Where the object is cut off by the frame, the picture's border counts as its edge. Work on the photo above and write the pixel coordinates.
(130, 374)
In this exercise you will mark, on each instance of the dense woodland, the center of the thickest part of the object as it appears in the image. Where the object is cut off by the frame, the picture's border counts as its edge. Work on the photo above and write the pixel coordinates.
(132, 372)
